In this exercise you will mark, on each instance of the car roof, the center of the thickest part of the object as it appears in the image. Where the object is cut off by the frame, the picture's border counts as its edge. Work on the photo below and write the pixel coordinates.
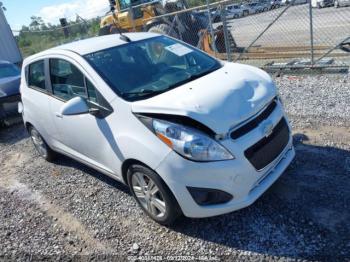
(94, 44)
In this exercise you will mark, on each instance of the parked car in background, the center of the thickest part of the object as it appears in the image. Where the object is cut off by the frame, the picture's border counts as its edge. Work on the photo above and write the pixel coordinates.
(251, 8)
(265, 5)
(341, 3)
(234, 11)
(300, 2)
(189, 134)
(276, 4)
(296, 2)
(10, 76)
(322, 3)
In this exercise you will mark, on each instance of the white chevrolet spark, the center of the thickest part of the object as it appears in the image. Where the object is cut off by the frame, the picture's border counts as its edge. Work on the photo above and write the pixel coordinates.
(189, 134)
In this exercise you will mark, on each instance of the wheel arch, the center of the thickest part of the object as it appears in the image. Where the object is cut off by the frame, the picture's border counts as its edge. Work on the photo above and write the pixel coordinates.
(127, 164)
(27, 125)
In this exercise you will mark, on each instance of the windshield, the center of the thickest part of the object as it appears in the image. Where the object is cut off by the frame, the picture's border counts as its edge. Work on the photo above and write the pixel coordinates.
(8, 70)
(142, 69)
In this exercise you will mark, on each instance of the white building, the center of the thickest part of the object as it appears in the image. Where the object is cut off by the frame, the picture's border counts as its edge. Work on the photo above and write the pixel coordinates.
(9, 50)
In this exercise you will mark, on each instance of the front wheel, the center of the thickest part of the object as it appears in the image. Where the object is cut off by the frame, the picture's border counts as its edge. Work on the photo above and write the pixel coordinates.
(153, 195)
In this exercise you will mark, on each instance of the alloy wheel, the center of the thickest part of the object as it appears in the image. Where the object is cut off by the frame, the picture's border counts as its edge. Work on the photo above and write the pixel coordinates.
(148, 194)
(38, 142)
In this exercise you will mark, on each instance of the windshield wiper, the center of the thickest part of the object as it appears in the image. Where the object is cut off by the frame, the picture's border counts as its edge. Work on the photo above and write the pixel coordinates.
(144, 92)
(193, 77)
(152, 92)
(210, 70)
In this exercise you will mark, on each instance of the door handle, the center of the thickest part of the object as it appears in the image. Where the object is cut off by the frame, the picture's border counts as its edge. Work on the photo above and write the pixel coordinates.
(59, 115)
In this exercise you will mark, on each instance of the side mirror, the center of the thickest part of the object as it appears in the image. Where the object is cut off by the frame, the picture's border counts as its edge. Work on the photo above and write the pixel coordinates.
(75, 106)
(345, 45)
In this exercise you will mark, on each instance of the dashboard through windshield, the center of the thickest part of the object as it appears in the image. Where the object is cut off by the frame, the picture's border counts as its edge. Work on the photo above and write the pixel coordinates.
(141, 69)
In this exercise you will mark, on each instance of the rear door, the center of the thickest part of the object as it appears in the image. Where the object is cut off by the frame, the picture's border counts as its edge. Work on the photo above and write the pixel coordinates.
(34, 95)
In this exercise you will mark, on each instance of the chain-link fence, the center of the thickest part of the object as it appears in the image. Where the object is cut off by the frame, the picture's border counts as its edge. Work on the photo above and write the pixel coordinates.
(271, 32)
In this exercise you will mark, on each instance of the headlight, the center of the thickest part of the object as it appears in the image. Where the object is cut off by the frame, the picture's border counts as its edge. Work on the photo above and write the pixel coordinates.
(189, 142)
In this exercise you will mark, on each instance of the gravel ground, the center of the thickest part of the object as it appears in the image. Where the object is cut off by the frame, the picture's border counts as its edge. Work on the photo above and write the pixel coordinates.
(67, 209)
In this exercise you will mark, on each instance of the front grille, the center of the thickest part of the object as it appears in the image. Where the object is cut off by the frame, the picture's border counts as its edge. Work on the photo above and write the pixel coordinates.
(267, 149)
(254, 122)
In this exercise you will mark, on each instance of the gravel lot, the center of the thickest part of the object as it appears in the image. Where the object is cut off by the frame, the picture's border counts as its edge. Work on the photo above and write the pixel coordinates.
(68, 209)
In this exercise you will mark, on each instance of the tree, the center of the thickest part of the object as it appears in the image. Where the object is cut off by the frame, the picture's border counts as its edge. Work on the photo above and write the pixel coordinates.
(36, 22)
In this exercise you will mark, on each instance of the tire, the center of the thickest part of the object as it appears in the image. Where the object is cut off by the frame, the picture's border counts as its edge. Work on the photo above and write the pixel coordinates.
(220, 43)
(106, 30)
(145, 199)
(110, 29)
(245, 13)
(163, 29)
(40, 145)
(236, 16)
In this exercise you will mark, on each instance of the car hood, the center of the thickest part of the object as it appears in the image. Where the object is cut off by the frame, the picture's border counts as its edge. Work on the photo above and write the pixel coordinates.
(9, 86)
(219, 100)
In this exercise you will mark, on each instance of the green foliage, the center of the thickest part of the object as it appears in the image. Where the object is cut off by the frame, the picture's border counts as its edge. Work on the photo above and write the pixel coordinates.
(39, 36)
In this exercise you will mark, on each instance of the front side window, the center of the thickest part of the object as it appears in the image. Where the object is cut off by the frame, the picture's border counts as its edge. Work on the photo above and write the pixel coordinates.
(66, 80)
(145, 68)
(36, 75)
(8, 70)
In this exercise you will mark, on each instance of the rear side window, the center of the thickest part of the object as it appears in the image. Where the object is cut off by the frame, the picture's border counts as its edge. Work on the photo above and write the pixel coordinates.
(36, 75)
(67, 81)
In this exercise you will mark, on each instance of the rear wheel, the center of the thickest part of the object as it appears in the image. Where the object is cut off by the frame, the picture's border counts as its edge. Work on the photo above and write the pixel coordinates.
(163, 29)
(153, 195)
(40, 145)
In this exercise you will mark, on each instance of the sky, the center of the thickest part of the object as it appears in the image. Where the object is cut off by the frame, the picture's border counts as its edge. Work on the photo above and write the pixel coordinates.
(19, 11)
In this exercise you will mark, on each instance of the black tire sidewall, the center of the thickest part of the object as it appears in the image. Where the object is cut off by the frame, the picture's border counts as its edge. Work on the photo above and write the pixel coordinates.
(173, 210)
(50, 154)
(106, 30)
(164, 29)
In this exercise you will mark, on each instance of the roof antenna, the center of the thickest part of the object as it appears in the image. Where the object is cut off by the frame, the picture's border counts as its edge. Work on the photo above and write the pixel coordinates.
(112, 4)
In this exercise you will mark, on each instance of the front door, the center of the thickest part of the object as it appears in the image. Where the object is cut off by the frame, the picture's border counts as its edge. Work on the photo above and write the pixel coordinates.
(86, 136)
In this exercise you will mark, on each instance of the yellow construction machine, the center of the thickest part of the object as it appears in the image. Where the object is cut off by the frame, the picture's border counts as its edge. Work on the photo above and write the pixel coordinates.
(169, 17)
